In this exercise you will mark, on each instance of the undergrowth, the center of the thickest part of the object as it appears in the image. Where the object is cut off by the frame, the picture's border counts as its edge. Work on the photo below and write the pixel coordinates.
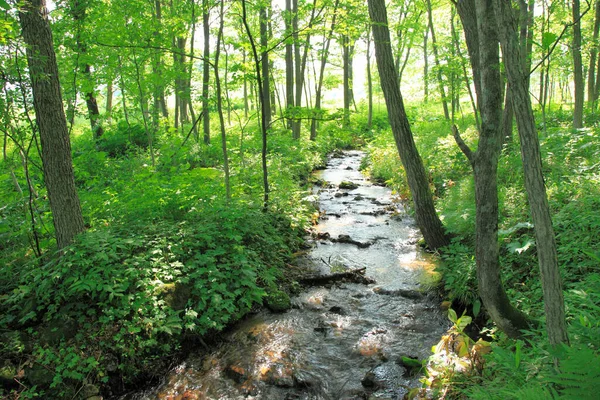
(527, 369)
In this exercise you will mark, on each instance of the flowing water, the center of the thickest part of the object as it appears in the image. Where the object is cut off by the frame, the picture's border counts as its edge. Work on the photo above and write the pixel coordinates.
(340, 341)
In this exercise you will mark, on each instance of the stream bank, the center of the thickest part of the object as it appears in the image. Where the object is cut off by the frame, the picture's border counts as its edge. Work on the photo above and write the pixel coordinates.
(340, 340)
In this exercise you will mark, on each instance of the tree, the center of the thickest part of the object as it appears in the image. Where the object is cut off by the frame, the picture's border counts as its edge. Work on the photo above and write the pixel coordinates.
(51, 121)
(78, 12)
(426, 216)
(534, 179)
(577, 67)
(477, 17)
(205, 72)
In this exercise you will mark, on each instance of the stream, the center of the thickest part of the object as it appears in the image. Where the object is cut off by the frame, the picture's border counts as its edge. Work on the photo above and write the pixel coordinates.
(339, 341)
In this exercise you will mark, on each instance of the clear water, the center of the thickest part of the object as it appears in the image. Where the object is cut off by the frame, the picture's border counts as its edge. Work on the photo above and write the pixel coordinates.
(339, 342)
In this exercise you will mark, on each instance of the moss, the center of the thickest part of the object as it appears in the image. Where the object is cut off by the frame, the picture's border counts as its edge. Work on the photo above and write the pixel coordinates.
(175, 295)
(278, 301)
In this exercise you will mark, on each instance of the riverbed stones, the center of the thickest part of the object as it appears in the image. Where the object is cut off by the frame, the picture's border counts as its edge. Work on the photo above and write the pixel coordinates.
(348, 185)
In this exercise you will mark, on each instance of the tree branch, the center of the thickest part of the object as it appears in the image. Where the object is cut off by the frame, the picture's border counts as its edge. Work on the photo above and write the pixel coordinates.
(462, 145)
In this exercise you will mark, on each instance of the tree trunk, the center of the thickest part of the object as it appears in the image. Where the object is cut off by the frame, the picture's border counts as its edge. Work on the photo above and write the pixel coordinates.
(478, 16)
(79, 14)
(289, 61)
(324, 55)
(436, 58)
(109, 101)
(220, 106)
(51, 121)
(534, 179)
(266, 81)
(577, 67)
(206, 72)
(592, 82)
(263, 95)
(418, 182)
(369, 82)
(346, 81)
(425, 67)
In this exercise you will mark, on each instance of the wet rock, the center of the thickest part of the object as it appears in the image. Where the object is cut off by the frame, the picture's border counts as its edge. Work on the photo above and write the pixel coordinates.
(236, 373)
(175, 294)
(370, 381)
(348, 185)
(323, 236)
(359, 198)
(347, 239)
(337, 310)
(280, 375)
(406, 293)
(278, 301)
(349, 168)
(373, 213)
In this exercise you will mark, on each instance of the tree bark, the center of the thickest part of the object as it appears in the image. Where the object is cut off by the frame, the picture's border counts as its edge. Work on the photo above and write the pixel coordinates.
(206, 72)
(109, 101)
(577, 67)
(418, 182)
(346, 80)
(478, 16)
(534, 179)
(51, 121)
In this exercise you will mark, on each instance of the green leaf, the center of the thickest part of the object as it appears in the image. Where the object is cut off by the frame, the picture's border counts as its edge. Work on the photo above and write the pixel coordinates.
(452, 316)
(4, 4)
(548, 38)
(476, 308)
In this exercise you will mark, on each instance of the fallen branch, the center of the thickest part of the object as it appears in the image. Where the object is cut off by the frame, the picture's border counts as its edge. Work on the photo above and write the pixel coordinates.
(354, 276)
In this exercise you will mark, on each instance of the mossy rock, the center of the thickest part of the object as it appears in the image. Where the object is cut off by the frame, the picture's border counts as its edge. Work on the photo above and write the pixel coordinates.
(175, 295)
(348, 185)
(278, 301)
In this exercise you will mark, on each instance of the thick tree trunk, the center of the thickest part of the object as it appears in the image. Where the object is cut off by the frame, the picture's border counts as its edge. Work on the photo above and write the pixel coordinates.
(577, 67)
(534, 179)
(478, 16)
(51, 121)
(418, 182)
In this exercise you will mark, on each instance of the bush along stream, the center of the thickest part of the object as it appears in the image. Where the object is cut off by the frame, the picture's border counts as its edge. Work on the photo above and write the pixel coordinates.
(357, 328)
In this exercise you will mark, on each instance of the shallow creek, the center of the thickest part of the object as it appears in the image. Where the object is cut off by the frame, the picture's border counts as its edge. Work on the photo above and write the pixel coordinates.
(341, 341)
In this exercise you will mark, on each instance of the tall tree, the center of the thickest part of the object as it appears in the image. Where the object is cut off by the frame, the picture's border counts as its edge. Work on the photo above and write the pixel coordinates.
(436, 58)
(577, 67)
(534, 179)
(477, 17)
(51, 121)
(426, 216)
(289, 59)
(592, 81)
(78, 12)
(206, 71)
(264, 57)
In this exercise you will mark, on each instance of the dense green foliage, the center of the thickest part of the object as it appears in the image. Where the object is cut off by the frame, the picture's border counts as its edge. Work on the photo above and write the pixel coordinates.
(165, 260)
(525, 370)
